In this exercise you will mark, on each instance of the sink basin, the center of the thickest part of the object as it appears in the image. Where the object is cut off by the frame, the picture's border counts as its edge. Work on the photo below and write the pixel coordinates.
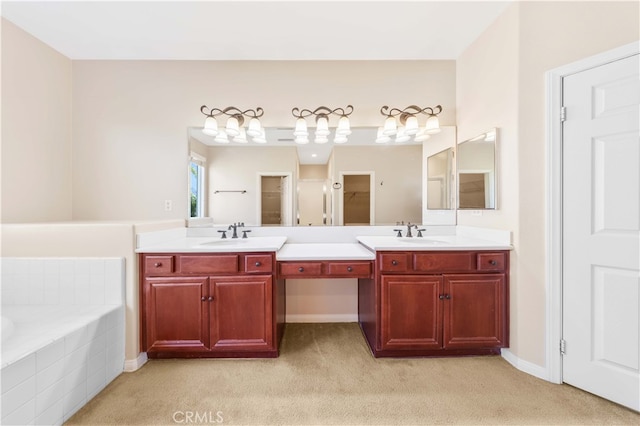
(222, 242)
(420, 240)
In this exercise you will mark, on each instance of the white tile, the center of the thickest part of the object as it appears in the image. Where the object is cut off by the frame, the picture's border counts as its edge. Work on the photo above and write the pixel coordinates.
(19, 395)
(51, 266)
(97, 345)
(75, 378)
(97, 286)
(49, 396)
(82, 289)
(66, 266)
(76, 359)
(51, 297)
(67, 290)
(24, 415)
(18, 372)
(50, 375)
(82, 267)
(36, 266)
(74, 400)
(22, 266)
(96, 266)
(51, 281)
(53, 415)
(50, 354)
(96, 382)
(9, 265)
(96, 362)
(75, 340)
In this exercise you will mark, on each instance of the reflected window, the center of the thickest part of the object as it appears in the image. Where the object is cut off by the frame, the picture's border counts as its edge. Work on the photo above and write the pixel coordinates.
(196, 186)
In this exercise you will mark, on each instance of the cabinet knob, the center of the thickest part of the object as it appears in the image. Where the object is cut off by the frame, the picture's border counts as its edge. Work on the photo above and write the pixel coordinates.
(157, 264)
(447, 296)
(441, 297)
(493, 262)
(394, 262)
(258, 263)
(301, 269)
(210, 298)
(203, 298)
(349, 268)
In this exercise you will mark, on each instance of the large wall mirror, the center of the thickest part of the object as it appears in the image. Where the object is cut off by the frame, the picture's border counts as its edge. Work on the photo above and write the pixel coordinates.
(477, 172)
(283, 184)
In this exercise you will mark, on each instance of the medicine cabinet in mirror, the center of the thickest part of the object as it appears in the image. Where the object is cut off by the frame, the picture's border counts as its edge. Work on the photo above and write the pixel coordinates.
(477, 172)
(281, 183)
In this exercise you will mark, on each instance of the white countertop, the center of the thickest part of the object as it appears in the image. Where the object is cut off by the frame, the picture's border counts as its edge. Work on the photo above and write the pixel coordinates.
(431, 243)
(324, 251)
(214, 245)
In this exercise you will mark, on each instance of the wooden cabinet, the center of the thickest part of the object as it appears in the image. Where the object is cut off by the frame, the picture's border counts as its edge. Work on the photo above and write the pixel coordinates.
(211, 305)
(325, 269)
(436, 303)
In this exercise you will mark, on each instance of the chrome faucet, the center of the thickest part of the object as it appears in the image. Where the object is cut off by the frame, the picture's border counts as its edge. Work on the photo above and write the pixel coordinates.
(235, 226)
(409, 226)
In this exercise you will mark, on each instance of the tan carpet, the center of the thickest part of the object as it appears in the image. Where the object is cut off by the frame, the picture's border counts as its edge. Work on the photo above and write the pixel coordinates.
(326, 375)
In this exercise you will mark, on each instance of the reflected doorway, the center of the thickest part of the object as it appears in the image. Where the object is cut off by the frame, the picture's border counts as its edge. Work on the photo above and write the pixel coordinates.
(357, 198)
(274, 200)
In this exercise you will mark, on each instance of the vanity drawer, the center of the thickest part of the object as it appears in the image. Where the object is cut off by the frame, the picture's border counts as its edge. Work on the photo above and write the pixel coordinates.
(300, 269)
(491, 261)
(209, 264)
(394, 262)
(158, 265)
(258, 263)
(347, 269)
(444, 262)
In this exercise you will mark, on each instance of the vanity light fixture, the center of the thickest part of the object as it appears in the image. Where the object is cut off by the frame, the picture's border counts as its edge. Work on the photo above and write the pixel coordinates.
(234, 125)
(322, 132)
(407, 125)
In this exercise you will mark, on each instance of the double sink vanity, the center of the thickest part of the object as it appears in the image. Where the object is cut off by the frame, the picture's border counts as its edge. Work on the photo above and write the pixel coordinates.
(432, 296)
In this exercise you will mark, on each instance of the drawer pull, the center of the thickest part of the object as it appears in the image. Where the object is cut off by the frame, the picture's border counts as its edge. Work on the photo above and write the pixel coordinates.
(349, 269)
(394, 262)
(157, 264)
(493, 262)
(203, 298)
(441, 297)
(210, 298)
(447, 296)
(301, 269)
(258, 263)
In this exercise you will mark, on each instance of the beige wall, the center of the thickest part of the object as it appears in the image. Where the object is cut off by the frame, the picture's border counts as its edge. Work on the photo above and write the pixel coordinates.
(501, 83)
(36, 129)
(130, 118)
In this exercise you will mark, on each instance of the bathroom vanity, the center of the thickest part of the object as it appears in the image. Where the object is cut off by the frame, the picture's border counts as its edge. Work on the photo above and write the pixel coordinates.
(441, 296)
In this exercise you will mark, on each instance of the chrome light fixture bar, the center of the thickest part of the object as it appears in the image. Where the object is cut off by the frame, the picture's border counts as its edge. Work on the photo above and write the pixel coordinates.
(234, 125)
(322, 132)
(408, 123)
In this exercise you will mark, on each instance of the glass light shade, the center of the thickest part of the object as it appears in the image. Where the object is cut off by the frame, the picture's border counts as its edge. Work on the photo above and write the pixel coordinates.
(381, 137)
(302, 140)
(242, 137)
(340, 139)
(301, 128)
(401, 136)
(433, 125)
(322, 127)
(344, 128)
(254, 128)
(390, 127)
(232, 129)
(210, 126)
(321, 139)
(261, 138)
(411, 125)
(222, 137)
(421, 136)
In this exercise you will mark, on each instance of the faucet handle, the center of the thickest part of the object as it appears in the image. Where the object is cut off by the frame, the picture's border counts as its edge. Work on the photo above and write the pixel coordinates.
(224, 234)
(399, 231)
(244, 233)
(420, 232)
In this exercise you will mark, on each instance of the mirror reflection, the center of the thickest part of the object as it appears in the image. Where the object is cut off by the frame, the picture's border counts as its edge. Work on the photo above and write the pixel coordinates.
(439, 177)
(281, 183)
(477, 172)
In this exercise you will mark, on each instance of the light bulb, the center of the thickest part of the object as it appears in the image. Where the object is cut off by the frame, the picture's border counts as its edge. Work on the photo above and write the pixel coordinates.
(390, 126)
(302, 140)
(210, 126)
(411, 125)
(344, 128)
(433, 125)
(401, 136)
(254, 128)
(322, 126)
(321, 139)
(261, 138)
(222, 137)
(232, 129)
(242, 136)
(381, 137)
(301, 128)
(421, 136)
(340, 139)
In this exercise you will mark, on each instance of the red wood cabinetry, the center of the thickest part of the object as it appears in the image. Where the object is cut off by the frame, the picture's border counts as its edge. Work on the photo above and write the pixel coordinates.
(213, 305)
(436, 303)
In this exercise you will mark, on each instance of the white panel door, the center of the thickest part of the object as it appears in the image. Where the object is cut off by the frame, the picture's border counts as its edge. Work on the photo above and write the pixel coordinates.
(601, 223)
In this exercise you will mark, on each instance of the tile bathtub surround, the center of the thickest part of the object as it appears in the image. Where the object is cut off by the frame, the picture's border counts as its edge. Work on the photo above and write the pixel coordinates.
(65, 347)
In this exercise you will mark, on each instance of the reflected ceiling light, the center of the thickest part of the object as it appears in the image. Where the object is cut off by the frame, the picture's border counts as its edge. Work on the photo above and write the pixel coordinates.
(322, 132)
(221, 137)
(233, 127)
(408, 121)
(381, 137)
(402, 135)
(422, 136)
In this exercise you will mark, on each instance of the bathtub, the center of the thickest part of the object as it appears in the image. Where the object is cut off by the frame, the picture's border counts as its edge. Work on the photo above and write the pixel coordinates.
(62, 338)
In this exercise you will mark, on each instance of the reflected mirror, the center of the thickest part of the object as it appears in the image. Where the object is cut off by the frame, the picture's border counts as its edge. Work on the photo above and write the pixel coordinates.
(439, 177)
(281, 183)
(477, 172)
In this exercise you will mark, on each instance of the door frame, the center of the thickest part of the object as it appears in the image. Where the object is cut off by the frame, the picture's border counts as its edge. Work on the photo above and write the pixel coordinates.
(288, 195)
(372, 195)
(553, 195)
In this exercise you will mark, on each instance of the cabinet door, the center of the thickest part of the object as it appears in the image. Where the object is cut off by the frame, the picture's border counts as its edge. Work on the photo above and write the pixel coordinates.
(475, 310)
(411, 312)
(241, 313)
(176, 314)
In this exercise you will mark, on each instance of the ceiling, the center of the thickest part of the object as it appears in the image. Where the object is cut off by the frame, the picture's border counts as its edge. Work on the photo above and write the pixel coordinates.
(255, 30)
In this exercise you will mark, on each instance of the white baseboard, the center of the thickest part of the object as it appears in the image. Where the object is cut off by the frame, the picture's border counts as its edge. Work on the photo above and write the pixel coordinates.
(525, 366)
(322, 317)
(131, 365)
